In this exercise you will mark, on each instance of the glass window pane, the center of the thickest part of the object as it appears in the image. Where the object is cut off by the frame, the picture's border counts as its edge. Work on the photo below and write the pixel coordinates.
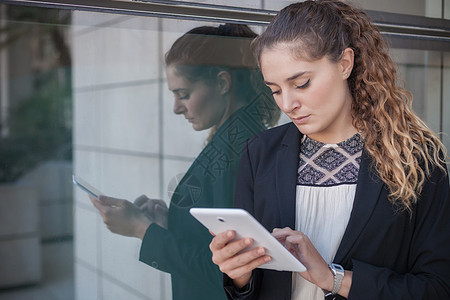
(88, 93)
(446, 9)
(446, 101)
(36, 203)
(426, 8)
(421, 72)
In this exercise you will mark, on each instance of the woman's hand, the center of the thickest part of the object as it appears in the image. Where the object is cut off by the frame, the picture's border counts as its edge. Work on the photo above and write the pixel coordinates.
(317, 271)
(302, 248)
(238, 266)
(122, 216)
(156, 210)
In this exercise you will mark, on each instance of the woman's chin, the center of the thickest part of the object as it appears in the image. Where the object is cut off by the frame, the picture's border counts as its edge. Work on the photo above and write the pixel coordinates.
(197, 127)
(200, 127)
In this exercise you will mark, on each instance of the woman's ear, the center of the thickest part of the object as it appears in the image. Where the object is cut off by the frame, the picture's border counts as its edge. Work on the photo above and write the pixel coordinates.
(224, 82)
(346, 62)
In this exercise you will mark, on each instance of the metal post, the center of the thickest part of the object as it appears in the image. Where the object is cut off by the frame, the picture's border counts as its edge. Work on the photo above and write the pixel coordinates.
(4, 78)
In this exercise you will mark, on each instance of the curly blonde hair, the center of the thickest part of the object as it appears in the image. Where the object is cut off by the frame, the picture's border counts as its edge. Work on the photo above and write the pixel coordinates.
(403, 148)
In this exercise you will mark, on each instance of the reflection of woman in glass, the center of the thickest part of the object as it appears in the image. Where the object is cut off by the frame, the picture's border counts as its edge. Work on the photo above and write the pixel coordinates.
(215, 81)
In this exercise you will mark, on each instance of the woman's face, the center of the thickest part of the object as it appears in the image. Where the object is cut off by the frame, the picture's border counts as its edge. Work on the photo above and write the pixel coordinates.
(201, 104)
(313, 94)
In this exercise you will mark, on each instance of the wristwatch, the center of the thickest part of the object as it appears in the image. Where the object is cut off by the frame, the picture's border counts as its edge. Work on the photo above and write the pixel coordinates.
(338, 273)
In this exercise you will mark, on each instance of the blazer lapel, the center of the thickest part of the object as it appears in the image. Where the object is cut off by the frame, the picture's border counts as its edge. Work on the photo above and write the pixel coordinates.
(367, 194)
(286, 175)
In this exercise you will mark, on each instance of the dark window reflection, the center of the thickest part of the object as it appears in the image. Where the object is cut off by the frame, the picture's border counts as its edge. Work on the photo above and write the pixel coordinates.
(36, 223)
(216, 87)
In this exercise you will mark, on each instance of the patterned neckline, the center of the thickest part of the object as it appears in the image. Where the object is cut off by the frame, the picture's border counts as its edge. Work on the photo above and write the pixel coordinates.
(351, 145)
(329, 164)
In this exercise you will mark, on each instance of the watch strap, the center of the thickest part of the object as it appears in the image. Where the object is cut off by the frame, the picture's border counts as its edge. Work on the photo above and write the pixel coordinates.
(338, 273)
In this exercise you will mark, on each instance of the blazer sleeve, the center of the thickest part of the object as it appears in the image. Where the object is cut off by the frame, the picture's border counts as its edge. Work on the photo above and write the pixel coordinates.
(428, 258)
(183, 249)
(244, 199)
(163, 251)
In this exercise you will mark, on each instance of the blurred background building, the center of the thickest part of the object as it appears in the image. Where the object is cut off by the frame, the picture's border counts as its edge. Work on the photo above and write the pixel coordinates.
(83, 90)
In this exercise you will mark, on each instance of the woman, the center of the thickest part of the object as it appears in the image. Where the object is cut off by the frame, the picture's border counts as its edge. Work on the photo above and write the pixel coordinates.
(356, 186)
(214, 78)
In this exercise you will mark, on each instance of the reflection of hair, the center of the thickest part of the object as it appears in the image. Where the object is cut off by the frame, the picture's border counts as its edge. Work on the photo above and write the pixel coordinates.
(203, 52)
(403, 147)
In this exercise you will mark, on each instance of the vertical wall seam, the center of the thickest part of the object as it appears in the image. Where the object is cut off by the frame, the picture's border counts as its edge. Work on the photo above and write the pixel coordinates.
(161, 129)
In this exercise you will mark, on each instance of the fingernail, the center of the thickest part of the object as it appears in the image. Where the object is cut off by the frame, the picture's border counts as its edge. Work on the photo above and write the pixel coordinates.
(267, 258)
(261, 251)
(248, 241)
(229, 233)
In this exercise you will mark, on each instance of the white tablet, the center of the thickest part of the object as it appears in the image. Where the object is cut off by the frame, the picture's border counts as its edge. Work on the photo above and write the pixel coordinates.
(86, 186)
(218, 220)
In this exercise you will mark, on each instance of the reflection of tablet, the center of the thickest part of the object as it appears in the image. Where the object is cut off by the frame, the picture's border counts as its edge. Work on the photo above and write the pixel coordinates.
(221, 219)
(86, 186)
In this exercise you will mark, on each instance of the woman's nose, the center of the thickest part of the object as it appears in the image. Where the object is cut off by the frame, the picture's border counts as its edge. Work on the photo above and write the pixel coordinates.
(178, 107)
(288, 102)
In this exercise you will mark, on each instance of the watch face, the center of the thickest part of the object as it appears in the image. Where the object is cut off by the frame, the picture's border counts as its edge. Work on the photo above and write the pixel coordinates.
(337, 269)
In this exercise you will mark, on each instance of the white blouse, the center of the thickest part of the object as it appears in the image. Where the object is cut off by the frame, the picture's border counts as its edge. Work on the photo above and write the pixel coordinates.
(326, 186)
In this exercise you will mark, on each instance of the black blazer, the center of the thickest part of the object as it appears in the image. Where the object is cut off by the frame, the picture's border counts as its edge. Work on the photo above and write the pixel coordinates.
(392, 255)
(182, 249)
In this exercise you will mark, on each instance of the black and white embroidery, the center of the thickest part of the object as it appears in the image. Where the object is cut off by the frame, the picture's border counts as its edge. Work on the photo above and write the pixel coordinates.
(310, 175)
(330, 159)
(309, 149)
(348, 173)
(353, 145)
(329, 164)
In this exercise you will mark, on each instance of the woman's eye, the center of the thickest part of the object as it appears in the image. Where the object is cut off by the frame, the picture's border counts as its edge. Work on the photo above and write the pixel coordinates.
(183, 96)
(303, 86)
(275, 92)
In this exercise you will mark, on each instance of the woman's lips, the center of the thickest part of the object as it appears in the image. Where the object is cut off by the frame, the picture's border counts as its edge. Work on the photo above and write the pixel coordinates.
(301, 120)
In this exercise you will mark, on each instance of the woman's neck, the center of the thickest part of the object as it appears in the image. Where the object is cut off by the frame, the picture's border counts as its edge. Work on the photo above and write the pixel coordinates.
(334, 138)
(231, 109)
